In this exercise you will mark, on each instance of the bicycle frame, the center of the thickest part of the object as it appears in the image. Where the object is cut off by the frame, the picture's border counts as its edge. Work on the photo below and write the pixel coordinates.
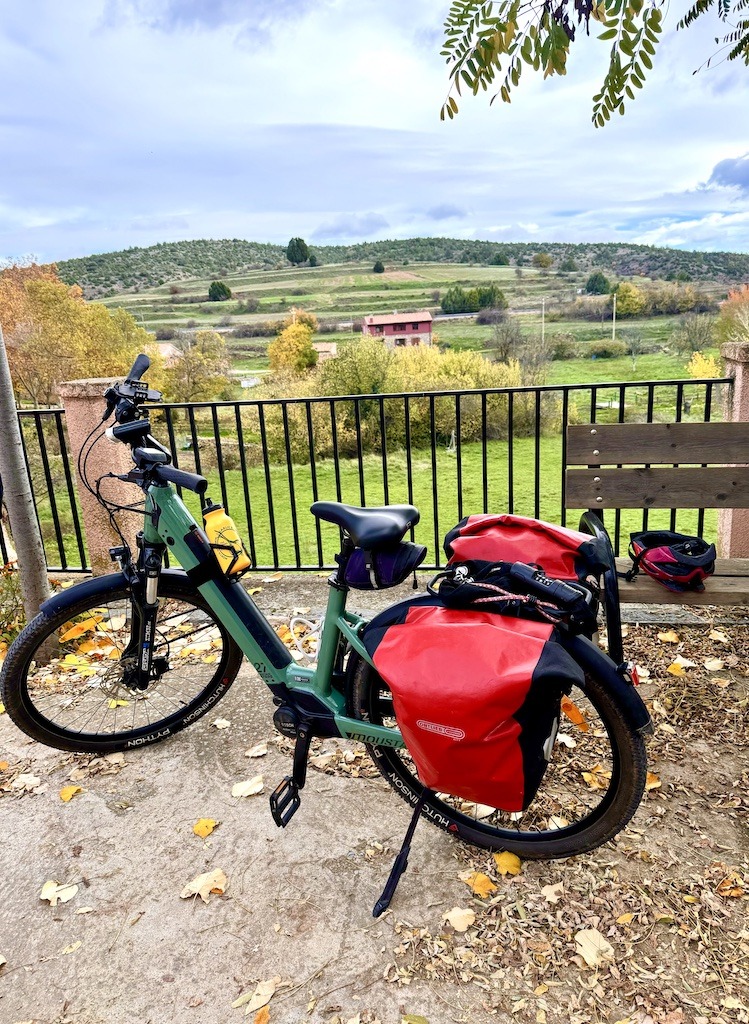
(168, 522)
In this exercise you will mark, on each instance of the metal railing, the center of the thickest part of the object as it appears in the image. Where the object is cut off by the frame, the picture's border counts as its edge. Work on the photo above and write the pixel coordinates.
(451, 453)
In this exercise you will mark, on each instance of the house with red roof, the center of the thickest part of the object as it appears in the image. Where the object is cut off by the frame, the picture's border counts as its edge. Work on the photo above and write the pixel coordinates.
(400, 330)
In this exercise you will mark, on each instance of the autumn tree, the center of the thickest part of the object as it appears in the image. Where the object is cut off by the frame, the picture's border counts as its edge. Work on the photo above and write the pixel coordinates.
(299, 316)
(297, 251)
(58, 336)
(200, 373)
(542, 260)
(292, 349)
(695, 332)
(488, 44)
(630, 300)
(733, 320)
(13, 299)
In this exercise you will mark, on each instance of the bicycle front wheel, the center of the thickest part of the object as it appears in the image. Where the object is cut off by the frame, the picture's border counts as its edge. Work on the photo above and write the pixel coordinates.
(65, 679)
(592, 787)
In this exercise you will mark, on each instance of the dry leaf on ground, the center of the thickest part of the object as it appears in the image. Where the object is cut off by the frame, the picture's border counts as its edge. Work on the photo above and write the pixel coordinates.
(714, 664)
(460, 918)
(68, 792)
(508, 863)
(249, 788)
(414, 1018)
(481, 884)
(204, 826)
(72, 947)
(259, 750)
(593, 947)
(220, 723)
(25, 783)
(553, 893)
(259, 997)
(56, 893)
(205, 884)
(652, 781)
(3, 961)
(669, 637)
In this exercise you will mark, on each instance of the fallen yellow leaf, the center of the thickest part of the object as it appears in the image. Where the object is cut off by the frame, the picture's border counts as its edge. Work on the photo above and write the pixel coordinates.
(593, 947)
(3, 764)
(72, 948)
(2, 708)
(625, 919)
(508, 863)
(262, 1016)
(652, 781)
(676, 670)
(68, 792)
(481, 884)
(79, 629)
(204, 826)
(669, 637)
(118, 704)
(262, 994)
(719, 635)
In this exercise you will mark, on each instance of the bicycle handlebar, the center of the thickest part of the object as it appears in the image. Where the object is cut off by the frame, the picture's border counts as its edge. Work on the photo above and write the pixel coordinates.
(190, 481)
(139, 367)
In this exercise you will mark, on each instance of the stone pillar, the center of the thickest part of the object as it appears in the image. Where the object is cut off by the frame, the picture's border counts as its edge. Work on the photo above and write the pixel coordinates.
(84, 407)
(733, 524)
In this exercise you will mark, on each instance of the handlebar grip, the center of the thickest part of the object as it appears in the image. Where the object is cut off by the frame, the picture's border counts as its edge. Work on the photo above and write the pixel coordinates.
(556, 590)
(190, 481)
(139, 367)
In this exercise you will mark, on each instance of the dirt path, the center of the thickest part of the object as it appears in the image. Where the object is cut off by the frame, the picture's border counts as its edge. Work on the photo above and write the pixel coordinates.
(670, 896)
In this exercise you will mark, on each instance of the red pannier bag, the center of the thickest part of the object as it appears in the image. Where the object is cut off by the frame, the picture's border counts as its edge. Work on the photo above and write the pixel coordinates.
(476, 696)
(562, 553)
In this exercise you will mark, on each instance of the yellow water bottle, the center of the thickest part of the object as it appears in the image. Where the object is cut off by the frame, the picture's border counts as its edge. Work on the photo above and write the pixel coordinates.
(225, 541)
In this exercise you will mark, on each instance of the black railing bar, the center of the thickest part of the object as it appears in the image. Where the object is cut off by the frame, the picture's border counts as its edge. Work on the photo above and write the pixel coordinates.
(313, 476)
(290, 477)
(510, 454)
(565, 418)
(359, 451)
(484, 458)
(409, 461)
(435, 500)
(71, 491)
(384, 453)
(618, 512)
(194, 437)
(458, 458)
(334, 442)
(707, 411)
(679, 405)
(51, 493)
(648, 419)
(431, 394)
(537, 456)
(268, 486)
(220, 460)
(245, 486)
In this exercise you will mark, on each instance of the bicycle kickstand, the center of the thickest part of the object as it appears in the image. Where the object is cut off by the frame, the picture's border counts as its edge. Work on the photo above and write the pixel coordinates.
(401, 861)
(285, 800)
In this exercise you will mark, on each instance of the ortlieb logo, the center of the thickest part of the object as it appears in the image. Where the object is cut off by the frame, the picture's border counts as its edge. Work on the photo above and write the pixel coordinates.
(441, 730)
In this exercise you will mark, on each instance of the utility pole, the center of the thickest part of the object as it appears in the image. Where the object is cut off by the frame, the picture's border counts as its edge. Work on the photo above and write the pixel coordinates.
(613, 322)
(18, 498)
(543, 322)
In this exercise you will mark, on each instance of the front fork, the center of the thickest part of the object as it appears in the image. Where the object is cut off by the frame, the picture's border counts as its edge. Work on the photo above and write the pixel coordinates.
(145, 604)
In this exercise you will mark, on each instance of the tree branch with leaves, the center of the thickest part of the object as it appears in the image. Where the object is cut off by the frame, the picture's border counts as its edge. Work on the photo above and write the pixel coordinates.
(489, 44)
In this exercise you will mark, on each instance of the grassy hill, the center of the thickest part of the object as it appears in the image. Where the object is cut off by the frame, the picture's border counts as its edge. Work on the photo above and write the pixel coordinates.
(144, 268)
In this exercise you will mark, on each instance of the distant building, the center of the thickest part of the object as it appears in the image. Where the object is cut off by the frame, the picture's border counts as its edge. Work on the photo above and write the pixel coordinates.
(325, 350)
(400, 330)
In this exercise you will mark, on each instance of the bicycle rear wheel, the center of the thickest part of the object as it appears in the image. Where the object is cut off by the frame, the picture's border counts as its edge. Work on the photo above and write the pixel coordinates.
(592, 787)
(65, 680)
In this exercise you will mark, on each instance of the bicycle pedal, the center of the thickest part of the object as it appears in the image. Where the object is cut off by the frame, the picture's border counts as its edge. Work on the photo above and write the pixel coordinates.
(285, 802)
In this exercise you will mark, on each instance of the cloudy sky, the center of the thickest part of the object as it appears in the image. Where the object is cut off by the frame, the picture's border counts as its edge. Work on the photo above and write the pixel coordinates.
(129, 122)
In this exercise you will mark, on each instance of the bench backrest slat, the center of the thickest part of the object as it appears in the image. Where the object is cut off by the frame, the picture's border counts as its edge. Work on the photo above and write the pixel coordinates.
(663, 487)
(657, 443)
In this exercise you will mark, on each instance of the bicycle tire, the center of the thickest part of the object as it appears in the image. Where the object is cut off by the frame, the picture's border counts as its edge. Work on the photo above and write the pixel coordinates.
(196, 679)
(619, 801)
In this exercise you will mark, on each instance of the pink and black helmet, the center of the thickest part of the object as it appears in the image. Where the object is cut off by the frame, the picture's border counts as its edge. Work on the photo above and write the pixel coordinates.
(677, 561)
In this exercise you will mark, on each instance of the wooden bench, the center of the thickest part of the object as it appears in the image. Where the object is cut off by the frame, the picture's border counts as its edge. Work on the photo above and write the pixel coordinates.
(659, 466)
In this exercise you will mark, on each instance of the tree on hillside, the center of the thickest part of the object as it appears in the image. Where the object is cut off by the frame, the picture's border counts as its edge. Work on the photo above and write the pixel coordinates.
(13, 298)
(297, 251)
(299, 316)
(313, 260)
(379, 267)
(695, 333)
(568, 266)
(200, 374)
(630, 300)
(489, 43)
(597, 284)
(500, 259)
(218, 291)
(542, 260)
(292, 349)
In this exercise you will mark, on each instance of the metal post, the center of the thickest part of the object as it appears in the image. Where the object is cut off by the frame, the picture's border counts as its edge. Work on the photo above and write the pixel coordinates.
(18, 497)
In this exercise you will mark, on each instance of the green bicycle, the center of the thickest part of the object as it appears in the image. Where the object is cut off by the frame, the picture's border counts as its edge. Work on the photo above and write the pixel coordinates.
(128, 659)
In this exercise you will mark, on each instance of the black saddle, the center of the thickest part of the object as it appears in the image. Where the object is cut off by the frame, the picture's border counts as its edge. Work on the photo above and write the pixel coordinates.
(368, 528)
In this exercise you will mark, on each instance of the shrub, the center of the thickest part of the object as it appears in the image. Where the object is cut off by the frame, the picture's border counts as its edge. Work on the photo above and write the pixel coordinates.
(218, 291)
(491, 316)
(165, 334)
(597, 284)
(378, 268)
(605, 349)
